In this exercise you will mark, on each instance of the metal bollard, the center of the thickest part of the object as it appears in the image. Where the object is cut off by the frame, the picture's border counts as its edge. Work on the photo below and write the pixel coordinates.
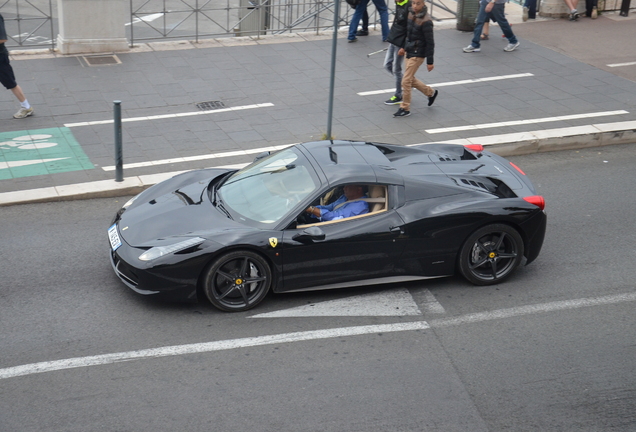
(119, 157)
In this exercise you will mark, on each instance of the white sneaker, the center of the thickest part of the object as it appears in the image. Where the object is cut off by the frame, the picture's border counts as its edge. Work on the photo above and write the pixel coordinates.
(524, 15)
(511, 47)
(594, 13)
(470, 48)
(23, 112)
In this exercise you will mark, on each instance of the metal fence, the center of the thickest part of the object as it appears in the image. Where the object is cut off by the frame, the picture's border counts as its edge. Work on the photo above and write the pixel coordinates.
(33, 23)
(194, 19)
(29, 23)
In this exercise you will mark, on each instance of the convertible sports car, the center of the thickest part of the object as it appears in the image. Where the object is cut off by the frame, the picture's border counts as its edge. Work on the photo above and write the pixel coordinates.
(232, 235)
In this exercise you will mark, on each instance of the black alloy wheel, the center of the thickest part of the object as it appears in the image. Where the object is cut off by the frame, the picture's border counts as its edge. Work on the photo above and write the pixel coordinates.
(237, 281)
(491, 254)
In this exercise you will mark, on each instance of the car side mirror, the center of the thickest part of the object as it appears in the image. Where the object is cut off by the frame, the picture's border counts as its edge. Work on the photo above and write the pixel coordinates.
(262, 155)
(309, 234)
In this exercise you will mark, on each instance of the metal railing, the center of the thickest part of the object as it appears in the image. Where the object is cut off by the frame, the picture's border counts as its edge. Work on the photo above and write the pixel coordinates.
(195, 19)
(29, 23)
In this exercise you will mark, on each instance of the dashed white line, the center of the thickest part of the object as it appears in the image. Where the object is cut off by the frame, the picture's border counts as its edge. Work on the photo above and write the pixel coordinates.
(200, 157)
(206, 347)
(166, 116)
(621, 64)
(533, 309)
(526, 121)
(78, 362)
(452, 83)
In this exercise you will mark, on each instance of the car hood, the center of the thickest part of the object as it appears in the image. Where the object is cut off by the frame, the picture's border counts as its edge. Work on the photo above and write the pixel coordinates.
(178, 207)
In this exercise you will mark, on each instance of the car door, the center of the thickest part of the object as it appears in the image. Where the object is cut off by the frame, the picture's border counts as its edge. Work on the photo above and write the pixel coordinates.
(355, 249)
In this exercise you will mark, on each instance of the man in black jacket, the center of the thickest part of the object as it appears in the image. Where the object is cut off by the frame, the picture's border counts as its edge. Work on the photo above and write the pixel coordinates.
(419, 45)
(393, 62)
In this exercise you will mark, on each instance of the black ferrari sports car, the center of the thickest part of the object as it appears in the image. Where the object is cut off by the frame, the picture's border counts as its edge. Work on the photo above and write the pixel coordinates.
(232, 235)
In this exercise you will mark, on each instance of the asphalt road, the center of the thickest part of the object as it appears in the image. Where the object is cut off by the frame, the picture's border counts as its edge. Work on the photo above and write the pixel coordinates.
(552, 349)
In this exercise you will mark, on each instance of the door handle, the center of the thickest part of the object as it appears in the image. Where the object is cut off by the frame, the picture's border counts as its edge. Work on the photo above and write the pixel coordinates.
(396, 230)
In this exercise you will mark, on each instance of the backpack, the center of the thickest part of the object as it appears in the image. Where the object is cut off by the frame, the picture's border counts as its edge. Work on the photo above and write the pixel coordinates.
(353, 3)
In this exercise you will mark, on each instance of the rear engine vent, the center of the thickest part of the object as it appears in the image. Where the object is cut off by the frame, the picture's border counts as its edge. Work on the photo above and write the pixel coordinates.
(448, 158)
(474, 183)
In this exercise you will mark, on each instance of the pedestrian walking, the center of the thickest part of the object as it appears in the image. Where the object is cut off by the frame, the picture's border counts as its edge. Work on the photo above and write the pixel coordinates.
(364, 31)
(419, 45)
(393, 62)
(492, 9)
(7, 77)
(383, 10)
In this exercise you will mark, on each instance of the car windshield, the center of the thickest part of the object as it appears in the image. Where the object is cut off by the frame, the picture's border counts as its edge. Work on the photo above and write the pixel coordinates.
(268, 189)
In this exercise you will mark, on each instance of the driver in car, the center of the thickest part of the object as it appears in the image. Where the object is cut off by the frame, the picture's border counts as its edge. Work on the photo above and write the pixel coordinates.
(349, 204)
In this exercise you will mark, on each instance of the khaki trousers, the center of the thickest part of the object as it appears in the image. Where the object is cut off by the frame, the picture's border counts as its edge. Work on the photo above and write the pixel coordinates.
(409, 81)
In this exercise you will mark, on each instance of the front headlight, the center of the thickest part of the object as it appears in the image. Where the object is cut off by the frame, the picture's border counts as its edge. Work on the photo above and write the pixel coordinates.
(159, 251)
(129, 202)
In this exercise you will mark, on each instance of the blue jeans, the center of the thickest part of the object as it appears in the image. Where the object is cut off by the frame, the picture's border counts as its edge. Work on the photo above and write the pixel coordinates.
(383, 10)
(497, 13)
(393, 64)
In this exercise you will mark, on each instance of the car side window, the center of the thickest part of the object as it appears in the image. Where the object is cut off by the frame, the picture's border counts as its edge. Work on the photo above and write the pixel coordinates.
(376, 197)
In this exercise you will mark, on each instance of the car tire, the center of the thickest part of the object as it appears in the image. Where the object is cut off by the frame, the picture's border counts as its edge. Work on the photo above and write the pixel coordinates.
(237, 281)
(491, 254)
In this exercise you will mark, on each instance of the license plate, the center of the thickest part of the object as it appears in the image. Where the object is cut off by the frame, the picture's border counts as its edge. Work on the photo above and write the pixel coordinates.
(113, 235)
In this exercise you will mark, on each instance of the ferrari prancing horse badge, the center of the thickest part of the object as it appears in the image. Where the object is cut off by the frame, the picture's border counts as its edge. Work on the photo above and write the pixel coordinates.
(273, 241)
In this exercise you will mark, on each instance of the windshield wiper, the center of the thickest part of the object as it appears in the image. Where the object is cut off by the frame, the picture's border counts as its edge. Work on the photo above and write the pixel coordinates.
(220, 206)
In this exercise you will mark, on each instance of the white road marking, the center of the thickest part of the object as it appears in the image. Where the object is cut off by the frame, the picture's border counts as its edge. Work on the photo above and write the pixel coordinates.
(533, 309)
(543, 134)
(431, 305)
(452, 83)
(78, 362)
(200, 157)
(396, 302)
(166, 116)
(15, 164)
(207, 347)
(146, 18)
(526, 121)
(621, 64)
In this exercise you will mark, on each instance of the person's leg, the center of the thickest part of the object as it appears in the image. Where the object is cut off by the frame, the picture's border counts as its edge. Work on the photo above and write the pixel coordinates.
(571, 4)
(412, 65)
(365, 21)
(479, 25)
(485, 31)
(389, 58)
(383, 10)
(531, 9)
(17, 91)
(393, 64)
(25, 108)
(355, 19)
(426, 90)
(499, 14)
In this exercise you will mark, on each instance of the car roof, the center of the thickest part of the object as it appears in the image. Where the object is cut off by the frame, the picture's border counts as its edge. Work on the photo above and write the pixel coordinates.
(341, 161)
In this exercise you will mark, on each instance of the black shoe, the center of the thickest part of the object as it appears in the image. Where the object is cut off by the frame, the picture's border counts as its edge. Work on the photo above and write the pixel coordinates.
(431, 99)
(353, 40)
(362, 33)
(394, 100)
(402, 113)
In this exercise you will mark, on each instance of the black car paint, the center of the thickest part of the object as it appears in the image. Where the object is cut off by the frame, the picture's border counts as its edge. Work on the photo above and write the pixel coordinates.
(430, 215)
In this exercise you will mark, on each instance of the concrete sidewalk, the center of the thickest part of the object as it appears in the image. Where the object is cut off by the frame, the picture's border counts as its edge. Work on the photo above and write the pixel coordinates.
(272, 91)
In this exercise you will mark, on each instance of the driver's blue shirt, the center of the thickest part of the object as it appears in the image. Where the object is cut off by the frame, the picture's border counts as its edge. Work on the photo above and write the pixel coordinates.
(352, 208)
